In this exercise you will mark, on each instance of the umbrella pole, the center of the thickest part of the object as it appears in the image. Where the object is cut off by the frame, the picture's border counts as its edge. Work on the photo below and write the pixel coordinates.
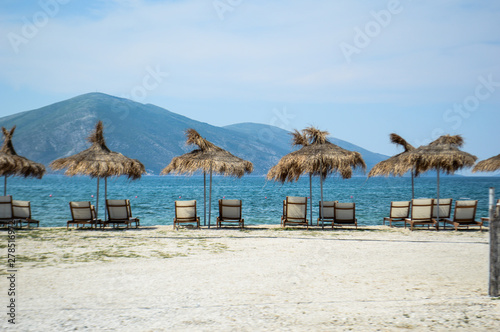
(210, 198)
(437, 213)
(412, 184)
(321, 205)
(106, 198)
(311, 197)
(5, 186)
(97, 201)
(204, 198)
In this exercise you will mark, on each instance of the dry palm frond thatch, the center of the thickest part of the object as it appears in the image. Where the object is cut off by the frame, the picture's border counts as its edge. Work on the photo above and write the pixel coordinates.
(207, 158)
(13, 164)
(443, 154)
(99, 161)
(488, 165)
(318, 156)
(395, 165)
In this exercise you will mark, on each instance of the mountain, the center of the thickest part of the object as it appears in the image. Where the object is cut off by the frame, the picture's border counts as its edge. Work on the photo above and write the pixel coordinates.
(143, 131)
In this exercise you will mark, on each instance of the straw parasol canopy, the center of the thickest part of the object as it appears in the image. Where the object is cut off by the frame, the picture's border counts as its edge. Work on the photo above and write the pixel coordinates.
(443, 154)
(396, 165)
(207, 158)
(98, 161)
(488, 165)
(13, 164)
(317, 156)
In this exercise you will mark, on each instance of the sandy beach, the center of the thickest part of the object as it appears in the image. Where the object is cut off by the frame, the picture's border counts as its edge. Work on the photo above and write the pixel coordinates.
(257, 279)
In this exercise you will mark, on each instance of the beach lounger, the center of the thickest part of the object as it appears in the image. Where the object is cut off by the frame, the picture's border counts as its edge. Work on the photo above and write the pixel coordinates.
(295, 212)
(120, 213)
(345, 215)
(21, 211)
(185, 213)
(497, 212)
(230, 212)
(421, 213)
(327, 213)
(465, 215)
(400, 210)
(83, 213)
(6, 215)
(444, 210)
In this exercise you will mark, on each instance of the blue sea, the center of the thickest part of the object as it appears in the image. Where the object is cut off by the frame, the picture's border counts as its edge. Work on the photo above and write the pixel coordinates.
(152, 197)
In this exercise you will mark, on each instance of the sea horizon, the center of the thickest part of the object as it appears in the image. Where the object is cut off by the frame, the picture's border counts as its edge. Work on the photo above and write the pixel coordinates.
(152, 197)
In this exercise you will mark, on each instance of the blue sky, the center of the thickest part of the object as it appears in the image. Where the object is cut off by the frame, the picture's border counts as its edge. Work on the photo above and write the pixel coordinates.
(359, 69)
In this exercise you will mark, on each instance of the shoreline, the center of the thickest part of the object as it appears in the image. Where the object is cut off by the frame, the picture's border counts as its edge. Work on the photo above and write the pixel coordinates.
(258, 278)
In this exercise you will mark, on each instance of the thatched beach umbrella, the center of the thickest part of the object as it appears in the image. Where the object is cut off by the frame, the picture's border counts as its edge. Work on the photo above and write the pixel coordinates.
(208, 158)
(443, 154)
(488, 165)
(396, 165)
(13, 164)
(99, 161)
(318, 156)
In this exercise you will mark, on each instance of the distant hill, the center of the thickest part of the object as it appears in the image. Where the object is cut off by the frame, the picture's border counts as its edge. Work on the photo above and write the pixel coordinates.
(143, 131)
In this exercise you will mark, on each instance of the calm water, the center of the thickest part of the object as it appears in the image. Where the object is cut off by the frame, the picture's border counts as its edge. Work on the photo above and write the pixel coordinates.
(153, 197)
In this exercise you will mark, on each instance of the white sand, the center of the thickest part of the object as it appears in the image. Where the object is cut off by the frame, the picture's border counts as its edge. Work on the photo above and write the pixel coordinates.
(156, 279)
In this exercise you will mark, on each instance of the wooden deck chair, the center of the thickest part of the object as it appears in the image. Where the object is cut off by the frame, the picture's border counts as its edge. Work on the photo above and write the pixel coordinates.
(327, 214)
(421, 213)
(295, 212)
(230, 212)
(129, 208)
(465, 215)
(185, 213)
(345, 214)
(21, 211)
(83, 213)
(119, 213)
(6, 214)
(444, 210)
(400, 210)
(497, 212)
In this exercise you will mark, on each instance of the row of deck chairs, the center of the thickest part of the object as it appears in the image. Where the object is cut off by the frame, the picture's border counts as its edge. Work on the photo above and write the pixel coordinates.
(424, 212)
(229, 213)
(15, 213)
(119, 213)
(331, 213)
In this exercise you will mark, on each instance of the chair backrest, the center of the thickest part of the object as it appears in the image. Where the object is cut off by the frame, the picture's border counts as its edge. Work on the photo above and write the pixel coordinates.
(230, 209)
(328, 211)
(129, 208)
(421, 209)
(400, 209)
(465, 210)
(5, 207)
(117, 209)
(185, 210)
(345, 211)
(296, 207)
(444, 208)
(81, 211)
(21, 209)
